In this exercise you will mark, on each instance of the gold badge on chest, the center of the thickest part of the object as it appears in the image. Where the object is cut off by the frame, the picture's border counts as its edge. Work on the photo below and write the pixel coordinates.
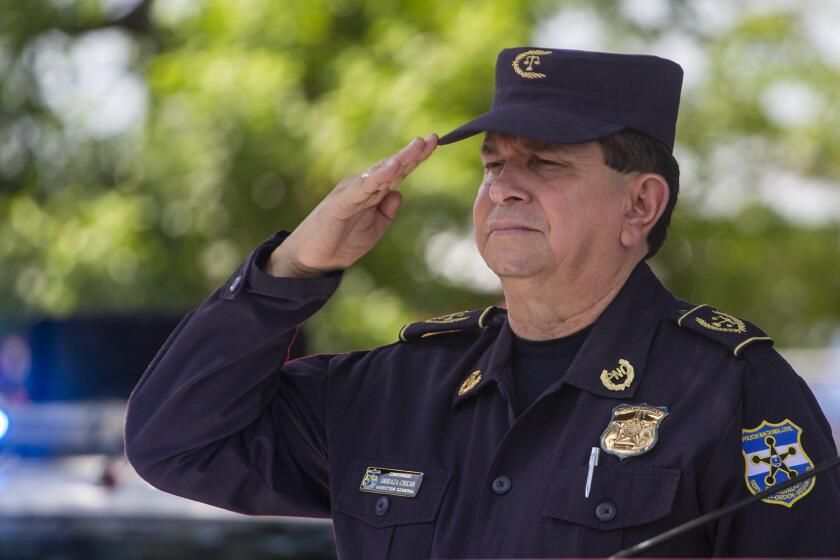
(633, 430)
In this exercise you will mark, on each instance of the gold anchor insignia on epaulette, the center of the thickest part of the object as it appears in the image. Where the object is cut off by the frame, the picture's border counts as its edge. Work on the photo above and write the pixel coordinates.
(620, 378)
(722, 322)
(470, 382)
(450, 318)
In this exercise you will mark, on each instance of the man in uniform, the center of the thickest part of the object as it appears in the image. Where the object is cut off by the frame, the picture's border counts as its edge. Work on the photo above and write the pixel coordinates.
(595, 411)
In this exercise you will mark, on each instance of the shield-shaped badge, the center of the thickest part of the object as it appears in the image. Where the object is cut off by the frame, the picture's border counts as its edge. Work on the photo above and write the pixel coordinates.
(633, 430)
(773, 453)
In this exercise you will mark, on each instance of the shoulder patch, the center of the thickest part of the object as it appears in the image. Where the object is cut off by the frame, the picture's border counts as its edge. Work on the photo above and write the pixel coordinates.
(454, 322)
(773, 453)
(732, 332)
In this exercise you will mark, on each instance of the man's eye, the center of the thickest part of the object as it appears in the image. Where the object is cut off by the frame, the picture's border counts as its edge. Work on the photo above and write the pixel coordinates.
(491, 165)
(547, 162)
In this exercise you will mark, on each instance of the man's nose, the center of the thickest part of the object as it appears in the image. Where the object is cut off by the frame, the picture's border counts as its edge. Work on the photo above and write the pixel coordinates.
(507, 187)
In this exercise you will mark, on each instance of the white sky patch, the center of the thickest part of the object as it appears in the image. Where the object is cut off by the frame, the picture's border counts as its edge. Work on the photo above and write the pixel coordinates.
(800, 199)
(821, 27)
(88, 84)
(572, 28)
(173, 12)
(714, 16)
(730, 186)
(454, 257)
(646, 13)
(791, 103)
(741, 178)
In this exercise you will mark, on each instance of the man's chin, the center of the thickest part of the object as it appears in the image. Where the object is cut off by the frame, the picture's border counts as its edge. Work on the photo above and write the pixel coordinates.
(517, 267)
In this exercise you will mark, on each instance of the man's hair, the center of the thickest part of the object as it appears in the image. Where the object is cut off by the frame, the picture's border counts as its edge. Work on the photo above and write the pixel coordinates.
(627, 151)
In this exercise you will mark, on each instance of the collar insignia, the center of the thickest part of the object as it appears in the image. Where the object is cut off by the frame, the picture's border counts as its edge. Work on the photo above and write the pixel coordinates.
(530, 59)
(470, 382)
(773, 454)
(620, 378)
(634, 429)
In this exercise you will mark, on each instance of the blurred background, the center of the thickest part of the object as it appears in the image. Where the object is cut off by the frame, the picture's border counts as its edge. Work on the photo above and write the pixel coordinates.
(146, 146)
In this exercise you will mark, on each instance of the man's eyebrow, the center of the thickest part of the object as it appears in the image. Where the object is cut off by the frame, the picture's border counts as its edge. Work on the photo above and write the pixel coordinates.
(488, 149)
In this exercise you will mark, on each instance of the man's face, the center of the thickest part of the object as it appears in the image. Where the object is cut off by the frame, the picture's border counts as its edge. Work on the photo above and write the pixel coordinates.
(546, 208)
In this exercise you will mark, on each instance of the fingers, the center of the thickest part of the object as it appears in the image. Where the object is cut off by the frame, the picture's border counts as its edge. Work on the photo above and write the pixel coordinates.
(391, 170)
(416, 156)
(371, 186)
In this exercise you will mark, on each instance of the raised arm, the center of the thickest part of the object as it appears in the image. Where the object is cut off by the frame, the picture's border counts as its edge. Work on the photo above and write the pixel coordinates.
(219, 416)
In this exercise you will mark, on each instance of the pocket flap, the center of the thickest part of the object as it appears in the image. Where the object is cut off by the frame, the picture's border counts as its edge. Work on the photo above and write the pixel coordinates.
(637, 495)
(422, 508)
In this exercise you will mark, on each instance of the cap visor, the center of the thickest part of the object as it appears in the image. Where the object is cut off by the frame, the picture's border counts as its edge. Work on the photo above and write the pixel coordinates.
(556, 127)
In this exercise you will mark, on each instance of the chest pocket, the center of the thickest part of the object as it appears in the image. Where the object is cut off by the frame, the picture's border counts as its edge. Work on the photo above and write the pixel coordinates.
(391, 526)
(623, 504)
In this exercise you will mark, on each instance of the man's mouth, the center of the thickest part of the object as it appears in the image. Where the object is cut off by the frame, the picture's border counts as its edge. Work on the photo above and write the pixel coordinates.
(509, 228)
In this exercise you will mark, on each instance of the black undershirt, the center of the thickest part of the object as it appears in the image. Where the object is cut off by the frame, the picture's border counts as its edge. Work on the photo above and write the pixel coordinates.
(537, 364)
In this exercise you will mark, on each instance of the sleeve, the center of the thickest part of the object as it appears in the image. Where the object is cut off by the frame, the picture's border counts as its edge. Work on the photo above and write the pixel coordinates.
(777, 432)
(221, 417)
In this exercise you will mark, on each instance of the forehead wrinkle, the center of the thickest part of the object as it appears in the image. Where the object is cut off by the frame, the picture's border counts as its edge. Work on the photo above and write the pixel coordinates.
(536, 146)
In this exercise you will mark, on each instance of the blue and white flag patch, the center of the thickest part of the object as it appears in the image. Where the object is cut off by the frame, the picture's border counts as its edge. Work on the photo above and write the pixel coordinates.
(773, 454)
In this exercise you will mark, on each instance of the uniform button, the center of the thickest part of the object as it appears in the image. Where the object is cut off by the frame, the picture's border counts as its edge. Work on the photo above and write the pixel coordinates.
(605, 511)
(501, 485)
(235, 283)
(382, 505)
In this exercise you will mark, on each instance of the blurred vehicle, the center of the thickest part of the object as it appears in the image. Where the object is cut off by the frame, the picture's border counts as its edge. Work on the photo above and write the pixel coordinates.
(67, 492)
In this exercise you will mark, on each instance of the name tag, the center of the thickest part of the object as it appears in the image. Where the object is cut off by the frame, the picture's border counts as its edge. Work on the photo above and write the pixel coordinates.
(389, 481)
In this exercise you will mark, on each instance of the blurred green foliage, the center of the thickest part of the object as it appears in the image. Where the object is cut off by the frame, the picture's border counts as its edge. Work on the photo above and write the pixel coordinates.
(250, 111)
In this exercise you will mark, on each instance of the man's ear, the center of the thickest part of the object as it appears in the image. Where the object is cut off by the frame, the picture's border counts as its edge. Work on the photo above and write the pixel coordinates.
(647, 197)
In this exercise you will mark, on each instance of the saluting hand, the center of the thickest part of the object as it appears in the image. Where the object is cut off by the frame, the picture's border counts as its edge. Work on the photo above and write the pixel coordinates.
(351, 218)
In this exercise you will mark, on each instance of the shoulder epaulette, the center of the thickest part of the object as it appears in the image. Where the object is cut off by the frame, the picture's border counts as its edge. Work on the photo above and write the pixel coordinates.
(732, 332)
(454, 322)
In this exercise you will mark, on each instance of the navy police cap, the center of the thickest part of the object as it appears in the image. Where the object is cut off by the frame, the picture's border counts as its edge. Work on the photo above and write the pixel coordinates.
(569, 96)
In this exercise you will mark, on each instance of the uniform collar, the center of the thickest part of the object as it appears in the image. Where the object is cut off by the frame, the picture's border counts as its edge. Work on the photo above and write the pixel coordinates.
(619, 340)
(492, 365)
(621, 336)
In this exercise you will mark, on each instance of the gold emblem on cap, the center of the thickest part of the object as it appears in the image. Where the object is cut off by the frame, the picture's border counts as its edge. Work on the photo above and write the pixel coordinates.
(470, 382)
(723, 322)
(633, 430)
(531, 58)
(620, 378)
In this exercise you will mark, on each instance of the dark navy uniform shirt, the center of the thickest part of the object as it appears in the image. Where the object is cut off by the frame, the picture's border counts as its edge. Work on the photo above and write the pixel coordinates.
(415, 451)
(536, 364)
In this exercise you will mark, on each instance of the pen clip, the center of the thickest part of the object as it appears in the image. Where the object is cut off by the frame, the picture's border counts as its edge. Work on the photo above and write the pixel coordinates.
(593, 462)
